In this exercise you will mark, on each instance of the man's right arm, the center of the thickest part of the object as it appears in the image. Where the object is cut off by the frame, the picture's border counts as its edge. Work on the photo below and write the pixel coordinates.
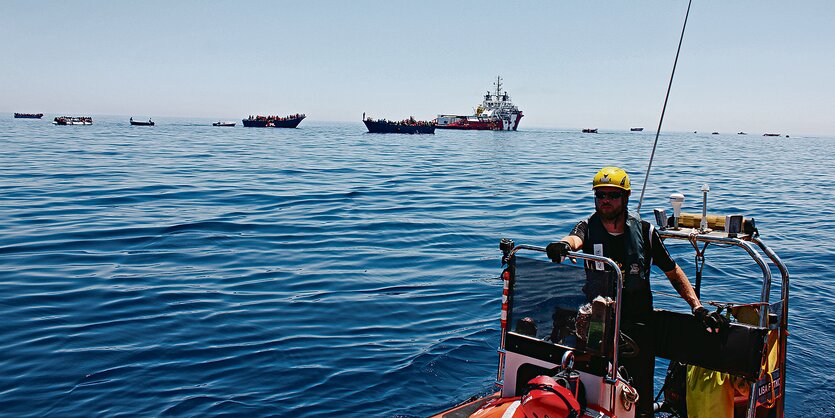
(574, 241)
(577, 235)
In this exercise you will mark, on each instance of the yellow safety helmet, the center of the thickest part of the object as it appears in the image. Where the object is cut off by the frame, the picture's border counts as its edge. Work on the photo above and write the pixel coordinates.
(611, 177)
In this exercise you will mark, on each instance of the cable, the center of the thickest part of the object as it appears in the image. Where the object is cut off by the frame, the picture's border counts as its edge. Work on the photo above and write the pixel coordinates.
(664, 109)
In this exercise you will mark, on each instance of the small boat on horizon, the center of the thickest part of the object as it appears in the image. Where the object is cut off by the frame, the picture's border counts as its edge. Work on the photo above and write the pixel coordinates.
(714, 133)
(28, 115)
(636, 129)
(589, 130)
(771, 134)
(219, 123)
(741, 133)
(141, 123)
(405, 126)
(72, 120)
(259, 121)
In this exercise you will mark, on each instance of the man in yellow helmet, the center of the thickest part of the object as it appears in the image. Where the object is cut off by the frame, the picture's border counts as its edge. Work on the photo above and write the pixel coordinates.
(635, 245)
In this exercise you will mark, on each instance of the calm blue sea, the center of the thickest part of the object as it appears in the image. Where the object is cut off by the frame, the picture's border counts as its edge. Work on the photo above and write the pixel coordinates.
(189, 270)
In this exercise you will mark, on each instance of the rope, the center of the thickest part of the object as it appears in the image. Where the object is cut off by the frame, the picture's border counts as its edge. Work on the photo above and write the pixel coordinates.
(629, 397)
(664, 109)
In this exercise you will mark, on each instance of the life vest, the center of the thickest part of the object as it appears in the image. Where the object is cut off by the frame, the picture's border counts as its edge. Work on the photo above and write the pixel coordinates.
(634, 264)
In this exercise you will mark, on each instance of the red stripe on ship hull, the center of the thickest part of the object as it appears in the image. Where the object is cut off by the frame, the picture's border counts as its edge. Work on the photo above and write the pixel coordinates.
(518, 118)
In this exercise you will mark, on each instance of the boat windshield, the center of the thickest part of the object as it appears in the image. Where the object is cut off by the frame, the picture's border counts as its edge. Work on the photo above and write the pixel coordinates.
(563, 304)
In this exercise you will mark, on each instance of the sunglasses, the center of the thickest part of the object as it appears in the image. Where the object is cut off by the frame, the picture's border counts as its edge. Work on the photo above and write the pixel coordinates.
(610, 195)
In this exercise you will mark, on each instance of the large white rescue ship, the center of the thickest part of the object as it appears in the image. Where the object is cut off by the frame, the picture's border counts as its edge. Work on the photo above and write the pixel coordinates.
(495, 113)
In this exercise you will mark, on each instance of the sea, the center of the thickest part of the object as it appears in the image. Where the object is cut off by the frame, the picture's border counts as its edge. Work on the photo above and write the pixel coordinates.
(191, 270)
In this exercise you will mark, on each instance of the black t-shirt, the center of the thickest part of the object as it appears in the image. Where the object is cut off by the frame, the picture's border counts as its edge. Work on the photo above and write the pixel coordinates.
(614, 246)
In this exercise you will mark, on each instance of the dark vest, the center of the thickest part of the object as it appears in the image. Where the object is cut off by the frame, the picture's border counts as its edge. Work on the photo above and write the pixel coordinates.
(634, 262)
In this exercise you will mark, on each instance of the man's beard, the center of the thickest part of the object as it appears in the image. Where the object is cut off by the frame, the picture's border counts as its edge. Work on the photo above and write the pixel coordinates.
(610, 215)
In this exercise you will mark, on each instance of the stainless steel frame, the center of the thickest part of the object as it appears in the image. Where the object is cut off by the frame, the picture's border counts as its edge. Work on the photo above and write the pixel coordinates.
(612, 378)
(749, 243)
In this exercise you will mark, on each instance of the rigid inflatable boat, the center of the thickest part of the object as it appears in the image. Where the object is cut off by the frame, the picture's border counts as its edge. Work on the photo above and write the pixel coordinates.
(559, 325)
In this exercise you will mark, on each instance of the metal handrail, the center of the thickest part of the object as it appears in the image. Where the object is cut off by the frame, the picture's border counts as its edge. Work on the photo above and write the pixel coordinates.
(590, 257)
(747, 243)
(692, 236)
(784, 317)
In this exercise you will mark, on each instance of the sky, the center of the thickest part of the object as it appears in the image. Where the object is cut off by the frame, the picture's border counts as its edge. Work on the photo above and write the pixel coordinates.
(754, 66)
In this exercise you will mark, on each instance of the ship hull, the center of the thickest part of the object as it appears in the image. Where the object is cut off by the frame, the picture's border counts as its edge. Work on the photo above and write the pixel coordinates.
(394, 128)
(516, 122)
(473, 123)
(473, 127)
(140, 123)
(469, 123)
(272, 123)
(28, 115)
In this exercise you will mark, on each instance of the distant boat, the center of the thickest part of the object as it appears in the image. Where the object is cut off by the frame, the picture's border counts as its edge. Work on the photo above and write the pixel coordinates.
(741, 133)
(407, 126)
(28, 115)
(590, 130)
(142, 123)
(73, 120)
(636, 129)
(219, 123)
(274, 121)
(714, 133)
(495, 113)
(770, 134)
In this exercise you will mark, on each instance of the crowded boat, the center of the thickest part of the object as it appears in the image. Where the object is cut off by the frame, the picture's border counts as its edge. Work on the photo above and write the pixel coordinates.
(73, 120)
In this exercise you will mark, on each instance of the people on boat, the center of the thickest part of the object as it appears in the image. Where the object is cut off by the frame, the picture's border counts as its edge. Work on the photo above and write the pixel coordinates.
(635, 245)
(405, 122)
(272, 118)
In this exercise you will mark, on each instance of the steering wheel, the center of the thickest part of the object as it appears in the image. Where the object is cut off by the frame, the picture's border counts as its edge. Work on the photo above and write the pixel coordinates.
(627, 346)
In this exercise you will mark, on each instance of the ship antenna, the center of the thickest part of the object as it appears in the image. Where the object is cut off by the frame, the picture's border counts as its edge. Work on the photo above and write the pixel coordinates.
(498, 85)
(664, 109)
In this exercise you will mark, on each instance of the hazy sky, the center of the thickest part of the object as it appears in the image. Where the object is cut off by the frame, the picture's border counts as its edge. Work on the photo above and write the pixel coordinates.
(747, 65)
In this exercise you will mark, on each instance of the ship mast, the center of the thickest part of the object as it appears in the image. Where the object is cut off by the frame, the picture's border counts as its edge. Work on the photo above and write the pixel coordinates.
(498, 85)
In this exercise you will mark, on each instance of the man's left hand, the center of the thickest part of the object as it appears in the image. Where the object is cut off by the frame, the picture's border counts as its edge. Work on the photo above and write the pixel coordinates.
(713, 321)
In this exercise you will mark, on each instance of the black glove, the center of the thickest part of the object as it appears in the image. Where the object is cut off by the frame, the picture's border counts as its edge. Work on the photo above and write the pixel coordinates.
(557, 251)
(713, 321)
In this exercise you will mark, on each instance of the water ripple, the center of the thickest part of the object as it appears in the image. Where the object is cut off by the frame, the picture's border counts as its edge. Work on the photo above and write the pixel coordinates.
(185, 270)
